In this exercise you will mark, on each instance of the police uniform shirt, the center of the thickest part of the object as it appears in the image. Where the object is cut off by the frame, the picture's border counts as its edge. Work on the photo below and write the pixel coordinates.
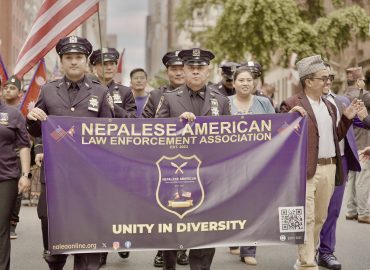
(73, 88)
(154, 99)
(123, 99)
(197, 100)
(13, 134)
(224, 90)
(92, 100)
(179, 101)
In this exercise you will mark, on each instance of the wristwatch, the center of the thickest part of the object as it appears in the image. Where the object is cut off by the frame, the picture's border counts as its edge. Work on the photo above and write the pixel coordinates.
(28, 175)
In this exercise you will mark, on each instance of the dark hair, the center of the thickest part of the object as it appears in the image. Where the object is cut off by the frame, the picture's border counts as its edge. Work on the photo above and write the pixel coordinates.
(304, 78)
(242, 70)
(138, 70)
(327, 64)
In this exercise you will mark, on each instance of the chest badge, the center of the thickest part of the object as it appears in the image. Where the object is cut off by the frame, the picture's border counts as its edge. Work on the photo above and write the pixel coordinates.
(93, 104)
(214, 107)
(4, 119)
(117, 97)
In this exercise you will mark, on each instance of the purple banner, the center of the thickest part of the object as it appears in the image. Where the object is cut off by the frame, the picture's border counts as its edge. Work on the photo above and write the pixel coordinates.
(135, 184)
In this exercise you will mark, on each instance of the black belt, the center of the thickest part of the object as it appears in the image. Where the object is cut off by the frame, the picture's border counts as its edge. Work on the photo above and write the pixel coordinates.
(327, 161)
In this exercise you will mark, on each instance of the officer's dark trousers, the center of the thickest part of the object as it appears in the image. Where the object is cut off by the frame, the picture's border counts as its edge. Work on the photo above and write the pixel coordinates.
(14, 219)
(8, 194)
(83, 261)
(200, 259)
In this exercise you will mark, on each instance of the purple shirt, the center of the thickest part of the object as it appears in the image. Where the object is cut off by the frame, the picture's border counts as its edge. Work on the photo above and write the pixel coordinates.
(13, 134)
(140, 103)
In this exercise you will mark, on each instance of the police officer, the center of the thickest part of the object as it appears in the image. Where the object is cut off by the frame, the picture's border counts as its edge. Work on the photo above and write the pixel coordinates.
(225, 86)
(124, 102)
(192, 99)
(175, 73)
(12, 91)
(74, 95)
(12, 95)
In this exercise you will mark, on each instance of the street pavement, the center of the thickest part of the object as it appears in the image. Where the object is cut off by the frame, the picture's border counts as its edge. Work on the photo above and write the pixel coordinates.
(353, 250)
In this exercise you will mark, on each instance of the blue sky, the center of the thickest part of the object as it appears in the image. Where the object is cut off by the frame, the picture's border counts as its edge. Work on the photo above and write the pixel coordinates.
(127, 19)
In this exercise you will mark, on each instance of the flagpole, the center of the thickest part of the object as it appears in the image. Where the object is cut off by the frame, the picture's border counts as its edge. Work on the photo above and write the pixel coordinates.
(101, 44)
(121, 63)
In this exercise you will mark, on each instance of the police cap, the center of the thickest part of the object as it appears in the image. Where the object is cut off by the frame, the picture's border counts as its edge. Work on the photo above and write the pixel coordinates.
(253, 67)
(172, 59)
(109, 54)
(228, 69)
(14, 81)
(196, 57)
(73, 44)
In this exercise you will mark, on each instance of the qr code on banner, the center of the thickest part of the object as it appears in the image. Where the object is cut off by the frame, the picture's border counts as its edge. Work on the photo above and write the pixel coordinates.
(291, 219)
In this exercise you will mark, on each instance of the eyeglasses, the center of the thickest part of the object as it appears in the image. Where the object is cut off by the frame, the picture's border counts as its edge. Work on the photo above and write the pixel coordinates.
(323, 78)
(331, 77)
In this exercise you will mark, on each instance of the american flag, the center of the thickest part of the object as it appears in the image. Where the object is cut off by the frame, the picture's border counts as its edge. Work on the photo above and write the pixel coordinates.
(55, 20)
(58, 134)
(186, 194)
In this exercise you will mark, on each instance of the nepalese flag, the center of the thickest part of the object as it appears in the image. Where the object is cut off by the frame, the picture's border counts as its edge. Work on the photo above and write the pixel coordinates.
(3, 73)
(33, 91)
(55, 20)
(58, 134)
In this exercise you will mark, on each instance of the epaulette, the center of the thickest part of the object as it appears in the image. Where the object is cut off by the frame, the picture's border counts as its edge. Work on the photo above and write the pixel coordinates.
(164, 88)
(97, 82)
(215, 91)
(172, 90)
(118, 84)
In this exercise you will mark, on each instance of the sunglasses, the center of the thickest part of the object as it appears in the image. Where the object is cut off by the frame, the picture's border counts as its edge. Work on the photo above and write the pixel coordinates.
(324, 78)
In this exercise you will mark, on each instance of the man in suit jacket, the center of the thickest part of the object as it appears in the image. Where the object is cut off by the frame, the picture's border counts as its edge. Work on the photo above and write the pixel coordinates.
(350, 161)
(193, 99)
(74, 95)
(324, 169)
